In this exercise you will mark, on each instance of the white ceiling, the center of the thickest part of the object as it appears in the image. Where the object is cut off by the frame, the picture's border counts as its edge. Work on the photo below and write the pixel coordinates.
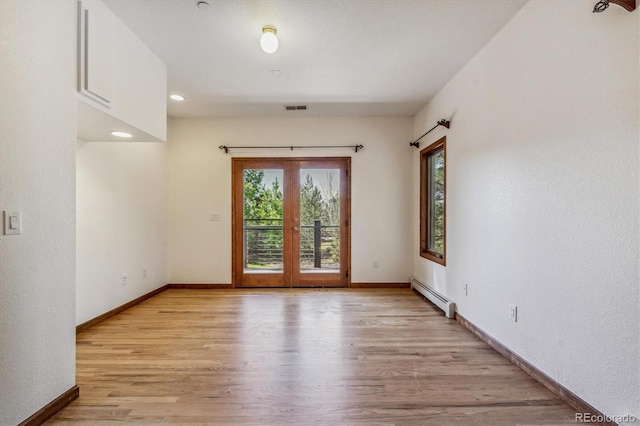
(340, 57)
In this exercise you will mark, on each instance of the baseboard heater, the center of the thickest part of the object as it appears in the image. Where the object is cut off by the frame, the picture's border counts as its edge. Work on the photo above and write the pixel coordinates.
(436, 298)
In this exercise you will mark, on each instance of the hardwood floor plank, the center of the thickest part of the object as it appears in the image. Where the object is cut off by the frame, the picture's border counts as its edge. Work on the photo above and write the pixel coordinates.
(312, 357)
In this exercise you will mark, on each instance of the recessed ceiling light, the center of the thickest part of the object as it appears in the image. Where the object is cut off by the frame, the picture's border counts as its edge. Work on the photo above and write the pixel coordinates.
(121, 134)
(275, 73)
(178, 98)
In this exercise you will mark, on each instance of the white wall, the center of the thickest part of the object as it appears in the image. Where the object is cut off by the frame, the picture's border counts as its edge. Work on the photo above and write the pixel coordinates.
(121, 223)
(200, 183)
(542, 195)
(37, 175)
(137, 80)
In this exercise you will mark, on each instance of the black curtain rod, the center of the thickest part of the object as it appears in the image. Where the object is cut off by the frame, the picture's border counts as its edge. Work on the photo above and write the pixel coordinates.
(291, 147)
(443, 122)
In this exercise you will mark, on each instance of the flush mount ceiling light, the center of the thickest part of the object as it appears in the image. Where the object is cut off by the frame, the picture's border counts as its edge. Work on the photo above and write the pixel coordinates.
(178, 98)
(269, 40)
(121, 134)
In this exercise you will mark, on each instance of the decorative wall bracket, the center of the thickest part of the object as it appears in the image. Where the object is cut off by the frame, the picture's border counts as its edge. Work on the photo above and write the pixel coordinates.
(602, 5)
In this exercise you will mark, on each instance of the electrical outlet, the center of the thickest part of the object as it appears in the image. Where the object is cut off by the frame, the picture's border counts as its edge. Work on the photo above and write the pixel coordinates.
(376, 264)
(124, 279)
(513, 312)
(214, 217)
(144, 272)
(466, 289)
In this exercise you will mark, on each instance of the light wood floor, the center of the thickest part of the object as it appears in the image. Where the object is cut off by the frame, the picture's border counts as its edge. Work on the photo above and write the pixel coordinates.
(301, 357)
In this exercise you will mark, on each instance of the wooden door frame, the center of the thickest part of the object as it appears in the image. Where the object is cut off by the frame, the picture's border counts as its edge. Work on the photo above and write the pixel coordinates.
(302, 279)
(238, 164)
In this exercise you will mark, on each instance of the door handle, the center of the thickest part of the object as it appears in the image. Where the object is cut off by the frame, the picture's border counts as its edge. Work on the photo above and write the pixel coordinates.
(295, 228)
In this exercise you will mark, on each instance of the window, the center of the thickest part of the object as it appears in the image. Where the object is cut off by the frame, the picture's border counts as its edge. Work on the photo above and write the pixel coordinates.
(432, 202)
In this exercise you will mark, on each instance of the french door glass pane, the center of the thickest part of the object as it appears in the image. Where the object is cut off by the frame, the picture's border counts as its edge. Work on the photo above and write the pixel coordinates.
(319, 220)
(262, 217)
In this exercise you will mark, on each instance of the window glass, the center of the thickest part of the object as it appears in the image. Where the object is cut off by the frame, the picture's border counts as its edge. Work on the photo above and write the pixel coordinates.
(432, 202)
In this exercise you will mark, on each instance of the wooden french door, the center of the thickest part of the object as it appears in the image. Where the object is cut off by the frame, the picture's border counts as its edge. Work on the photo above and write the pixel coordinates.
(291, 222)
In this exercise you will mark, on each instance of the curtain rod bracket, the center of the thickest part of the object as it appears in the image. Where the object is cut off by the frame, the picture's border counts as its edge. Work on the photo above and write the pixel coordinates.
(226, 148)
(602, 5)
(443, 122)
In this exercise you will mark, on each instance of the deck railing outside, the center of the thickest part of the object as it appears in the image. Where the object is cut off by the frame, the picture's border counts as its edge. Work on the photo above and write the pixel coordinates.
(263, 249)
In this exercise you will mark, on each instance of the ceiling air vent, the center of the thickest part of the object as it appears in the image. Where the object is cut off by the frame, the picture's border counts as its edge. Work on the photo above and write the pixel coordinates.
(295, 107)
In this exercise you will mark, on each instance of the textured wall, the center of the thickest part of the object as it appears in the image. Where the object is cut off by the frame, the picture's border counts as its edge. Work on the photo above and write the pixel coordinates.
(121, 223)
(543, 200)
(200, 182)
(37, 175)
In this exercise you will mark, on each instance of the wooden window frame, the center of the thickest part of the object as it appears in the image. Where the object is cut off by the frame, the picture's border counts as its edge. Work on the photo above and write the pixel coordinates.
(424, 203)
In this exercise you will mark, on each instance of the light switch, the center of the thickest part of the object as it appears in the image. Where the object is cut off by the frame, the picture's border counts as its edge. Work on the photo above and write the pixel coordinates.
(12, 223)
(214, 217)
